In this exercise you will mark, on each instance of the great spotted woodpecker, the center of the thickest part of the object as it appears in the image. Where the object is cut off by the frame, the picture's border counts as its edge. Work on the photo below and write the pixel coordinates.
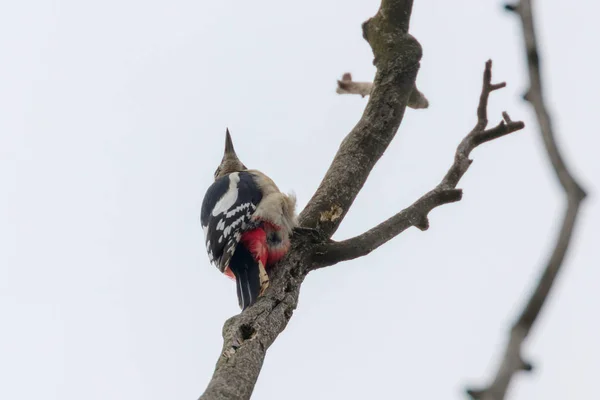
(247, 224)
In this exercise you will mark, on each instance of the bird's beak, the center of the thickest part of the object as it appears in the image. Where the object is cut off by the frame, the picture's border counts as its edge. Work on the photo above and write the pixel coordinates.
(229, 150)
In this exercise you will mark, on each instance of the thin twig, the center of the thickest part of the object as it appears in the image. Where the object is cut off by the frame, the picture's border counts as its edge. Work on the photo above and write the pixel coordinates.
(446, 192)
(512, 361)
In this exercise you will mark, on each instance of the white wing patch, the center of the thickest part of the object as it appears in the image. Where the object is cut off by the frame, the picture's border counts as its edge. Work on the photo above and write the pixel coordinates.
(238, 209)
(232, 225)
(229, 198)
(229, 218)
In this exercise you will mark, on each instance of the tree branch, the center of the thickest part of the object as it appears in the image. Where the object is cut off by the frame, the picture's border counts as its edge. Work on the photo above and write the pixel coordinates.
(397, 56)
(444, 193)
(416, 100)
(512, 361)
(247, 336)
(348, 86)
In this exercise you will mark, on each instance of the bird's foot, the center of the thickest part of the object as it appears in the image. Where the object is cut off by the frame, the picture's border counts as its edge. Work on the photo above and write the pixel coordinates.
(263, 278)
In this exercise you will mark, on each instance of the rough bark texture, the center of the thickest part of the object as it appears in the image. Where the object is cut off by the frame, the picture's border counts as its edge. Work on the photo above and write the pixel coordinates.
(512, 361)
(397, 56)
(247, 336)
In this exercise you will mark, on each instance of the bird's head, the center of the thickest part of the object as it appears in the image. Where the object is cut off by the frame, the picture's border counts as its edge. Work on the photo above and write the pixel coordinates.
(230, 162)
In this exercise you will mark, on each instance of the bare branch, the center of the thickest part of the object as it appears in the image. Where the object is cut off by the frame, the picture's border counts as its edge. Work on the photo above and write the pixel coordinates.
(346, 85)
(397, 55)
(247, 336)
(444, 193)
(512, 361)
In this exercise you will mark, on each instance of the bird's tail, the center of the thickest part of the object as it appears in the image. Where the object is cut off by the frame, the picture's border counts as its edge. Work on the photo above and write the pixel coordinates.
(250, 276)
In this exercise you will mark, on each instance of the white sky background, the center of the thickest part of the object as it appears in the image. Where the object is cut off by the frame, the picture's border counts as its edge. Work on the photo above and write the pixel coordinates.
(112, 120)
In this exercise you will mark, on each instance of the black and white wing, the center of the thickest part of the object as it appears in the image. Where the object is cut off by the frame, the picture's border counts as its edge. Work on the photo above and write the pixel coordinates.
(226, 213)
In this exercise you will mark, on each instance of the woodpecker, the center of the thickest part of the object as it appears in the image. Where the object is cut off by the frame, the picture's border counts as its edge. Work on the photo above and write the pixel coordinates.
(247, 224)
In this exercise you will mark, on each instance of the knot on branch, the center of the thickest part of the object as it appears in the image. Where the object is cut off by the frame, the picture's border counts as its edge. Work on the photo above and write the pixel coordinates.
(392, 46)
(419, 220)
(450, 196)
(247, 332)
(417, 100)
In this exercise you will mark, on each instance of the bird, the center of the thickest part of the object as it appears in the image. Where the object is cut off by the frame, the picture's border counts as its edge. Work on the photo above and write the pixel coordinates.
(247, 223)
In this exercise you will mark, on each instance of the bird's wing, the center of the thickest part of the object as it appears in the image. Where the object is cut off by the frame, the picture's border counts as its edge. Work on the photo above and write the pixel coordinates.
(226, 213)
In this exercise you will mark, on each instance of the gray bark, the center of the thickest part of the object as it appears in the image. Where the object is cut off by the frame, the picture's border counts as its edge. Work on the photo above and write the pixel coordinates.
(247, 336)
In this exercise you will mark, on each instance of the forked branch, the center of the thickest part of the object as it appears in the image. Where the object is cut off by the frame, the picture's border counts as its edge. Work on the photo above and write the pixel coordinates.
(417, 214)
(248, 336)
(396, 56)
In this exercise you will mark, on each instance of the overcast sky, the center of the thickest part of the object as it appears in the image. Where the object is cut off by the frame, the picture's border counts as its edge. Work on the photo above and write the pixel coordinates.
(112, 121)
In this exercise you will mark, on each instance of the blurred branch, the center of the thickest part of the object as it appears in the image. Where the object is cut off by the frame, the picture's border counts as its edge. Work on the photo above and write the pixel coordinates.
(416, 100)
(512, 361)
(445, 192)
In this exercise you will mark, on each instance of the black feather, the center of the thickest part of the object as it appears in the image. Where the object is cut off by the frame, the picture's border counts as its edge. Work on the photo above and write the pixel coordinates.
(223, 231)
(247, 278)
